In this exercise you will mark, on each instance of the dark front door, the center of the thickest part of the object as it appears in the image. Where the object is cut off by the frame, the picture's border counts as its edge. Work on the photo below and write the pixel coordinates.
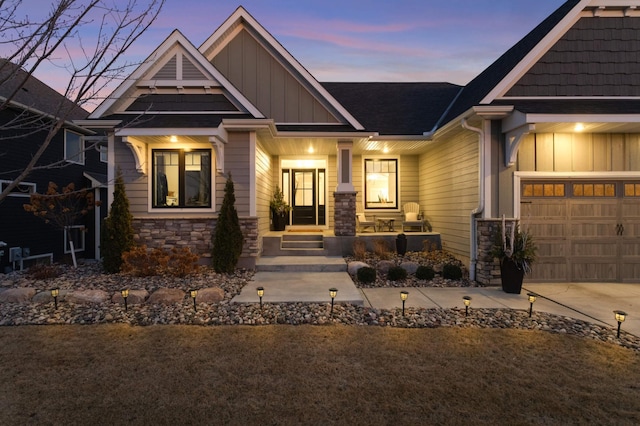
(303, 188)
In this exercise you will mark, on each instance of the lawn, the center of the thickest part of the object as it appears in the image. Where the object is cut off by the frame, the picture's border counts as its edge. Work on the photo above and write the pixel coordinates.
(169, 375)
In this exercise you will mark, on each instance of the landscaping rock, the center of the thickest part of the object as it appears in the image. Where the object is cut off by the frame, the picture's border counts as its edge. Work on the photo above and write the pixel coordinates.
(166, 296)
(410, 267)
(354, 267)
(87, 296)
(210, 295)
(136, 297)
(17, 295)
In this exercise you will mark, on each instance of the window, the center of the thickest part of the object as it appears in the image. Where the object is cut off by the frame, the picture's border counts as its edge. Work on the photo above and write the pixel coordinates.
(381, 183)
(77, 234)
(73, 147)
(103, 153)
(181, 178)
(24, 189)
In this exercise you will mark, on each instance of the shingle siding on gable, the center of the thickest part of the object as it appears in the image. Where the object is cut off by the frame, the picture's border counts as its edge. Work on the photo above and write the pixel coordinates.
(597, 57)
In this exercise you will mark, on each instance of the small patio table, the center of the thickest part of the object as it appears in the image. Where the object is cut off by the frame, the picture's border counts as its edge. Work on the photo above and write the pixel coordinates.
(385, 222)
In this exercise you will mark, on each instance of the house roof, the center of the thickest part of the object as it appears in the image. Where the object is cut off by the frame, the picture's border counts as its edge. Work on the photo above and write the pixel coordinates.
(178, 121)
(573, 106)
(474, 92)
(33, 93)
(395, 108)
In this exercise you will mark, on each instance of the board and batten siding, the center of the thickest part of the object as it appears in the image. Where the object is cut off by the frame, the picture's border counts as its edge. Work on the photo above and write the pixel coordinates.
(332, 184)
(237, 161)
(448, 182)
(580, 152)
(267, 83)
(264, 187)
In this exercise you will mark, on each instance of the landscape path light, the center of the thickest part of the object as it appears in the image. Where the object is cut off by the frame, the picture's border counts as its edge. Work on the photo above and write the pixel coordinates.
(333, 292)
(403, 296)
(620, 317)
(532, 298)
(194, 294)
(125, 293)
(54, 293)
(467, 303)
(260, 291)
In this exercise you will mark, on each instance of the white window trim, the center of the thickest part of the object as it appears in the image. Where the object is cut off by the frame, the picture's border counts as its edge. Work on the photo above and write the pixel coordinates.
(364, 178)
(31, 185)
(81, 160)
(82, 239)
(103, 150)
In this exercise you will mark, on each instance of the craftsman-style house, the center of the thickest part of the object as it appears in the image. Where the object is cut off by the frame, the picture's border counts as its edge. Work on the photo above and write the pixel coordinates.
(548, 134)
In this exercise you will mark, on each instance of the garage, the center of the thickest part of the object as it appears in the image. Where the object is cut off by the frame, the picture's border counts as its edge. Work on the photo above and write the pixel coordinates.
(586, 230)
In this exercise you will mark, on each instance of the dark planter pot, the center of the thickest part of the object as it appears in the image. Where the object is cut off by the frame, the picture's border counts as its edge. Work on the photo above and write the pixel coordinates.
(401, 244)
(279, 220)
(512, 277)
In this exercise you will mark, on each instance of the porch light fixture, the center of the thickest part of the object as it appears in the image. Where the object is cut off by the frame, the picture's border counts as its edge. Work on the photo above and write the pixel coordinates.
(310, 150)
(532, 298)
(194, 294)
(125, 293)
(260, 291)
(579, 127)
(620, 317)
(173, 139)
(333, 292)
(54, 293)
(467, 303)
(403, 296)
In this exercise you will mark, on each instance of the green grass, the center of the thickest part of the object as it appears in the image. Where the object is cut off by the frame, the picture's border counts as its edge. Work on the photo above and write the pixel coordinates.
(285, 375)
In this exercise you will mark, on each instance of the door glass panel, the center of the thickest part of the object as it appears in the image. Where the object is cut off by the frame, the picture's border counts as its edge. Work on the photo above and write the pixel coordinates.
(304, 188)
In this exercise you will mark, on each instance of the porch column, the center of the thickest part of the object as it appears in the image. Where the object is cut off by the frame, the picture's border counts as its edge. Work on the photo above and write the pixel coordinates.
(344, 215)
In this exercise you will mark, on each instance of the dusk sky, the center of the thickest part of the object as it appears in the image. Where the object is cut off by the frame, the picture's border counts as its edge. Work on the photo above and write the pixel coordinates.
(360, 40)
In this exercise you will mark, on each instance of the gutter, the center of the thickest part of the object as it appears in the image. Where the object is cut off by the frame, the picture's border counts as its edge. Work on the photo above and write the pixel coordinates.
(480, 207)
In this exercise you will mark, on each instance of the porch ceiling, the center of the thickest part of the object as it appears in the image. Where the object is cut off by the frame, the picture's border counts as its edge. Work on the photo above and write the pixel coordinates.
(588, 127)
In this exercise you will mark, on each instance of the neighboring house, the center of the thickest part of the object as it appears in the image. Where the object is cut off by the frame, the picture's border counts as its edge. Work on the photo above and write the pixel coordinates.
(508, 143)
(24, 127)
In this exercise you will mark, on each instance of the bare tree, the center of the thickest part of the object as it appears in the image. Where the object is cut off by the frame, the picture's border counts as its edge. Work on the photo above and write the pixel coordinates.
(85, 40)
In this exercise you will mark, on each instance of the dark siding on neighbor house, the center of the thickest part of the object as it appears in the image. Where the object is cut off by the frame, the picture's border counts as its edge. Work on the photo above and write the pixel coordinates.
(597, 57)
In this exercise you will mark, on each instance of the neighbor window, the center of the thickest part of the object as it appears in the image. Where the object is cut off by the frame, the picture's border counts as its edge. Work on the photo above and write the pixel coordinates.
(181, 178)
(73, 147)
(381, 183)
(104, 152)
(24, 189)
(77, 234)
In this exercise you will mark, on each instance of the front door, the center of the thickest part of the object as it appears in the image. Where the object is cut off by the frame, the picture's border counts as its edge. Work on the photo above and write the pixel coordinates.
(304, 200)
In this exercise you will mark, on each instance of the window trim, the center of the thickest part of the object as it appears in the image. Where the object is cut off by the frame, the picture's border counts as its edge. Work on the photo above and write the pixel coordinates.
(398, 200)
(82, 239)
(81, 159)
(103, 151)
(31, 185)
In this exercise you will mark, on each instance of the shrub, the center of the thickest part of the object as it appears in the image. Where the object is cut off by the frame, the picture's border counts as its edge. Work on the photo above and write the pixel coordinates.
(428, 246)
(141, 262)
(381, 248)
(227, 239)
(43, 272)
(397, 273)
(366, 275)
(359, 249)
(182, 262)
(117, 231)
(452, 272)
(425, 273)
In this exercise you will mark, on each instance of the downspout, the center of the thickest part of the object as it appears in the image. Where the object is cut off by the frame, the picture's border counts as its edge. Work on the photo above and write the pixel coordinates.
(480, 208)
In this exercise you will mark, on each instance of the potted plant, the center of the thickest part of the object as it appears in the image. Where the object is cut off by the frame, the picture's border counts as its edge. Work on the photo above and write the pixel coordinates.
(516, 251)
(279, 210)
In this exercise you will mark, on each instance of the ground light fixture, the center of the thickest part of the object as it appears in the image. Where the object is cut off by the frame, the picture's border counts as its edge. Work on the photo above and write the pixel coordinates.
(532, 298)
(333, 292)
(125, 293)
(260, 291)
(194, 294)
(54, 293)
(467, 303)
(620, 317)
(403, 296)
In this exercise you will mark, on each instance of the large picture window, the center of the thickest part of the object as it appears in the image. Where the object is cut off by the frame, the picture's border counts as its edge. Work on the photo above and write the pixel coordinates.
(381, 183)
(181, 178)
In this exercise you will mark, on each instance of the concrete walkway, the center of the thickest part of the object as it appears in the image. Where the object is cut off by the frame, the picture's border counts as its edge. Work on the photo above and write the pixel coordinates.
(593, 302)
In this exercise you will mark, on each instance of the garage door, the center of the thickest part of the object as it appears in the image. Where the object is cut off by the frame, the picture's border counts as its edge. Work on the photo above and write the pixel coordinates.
(586, 231)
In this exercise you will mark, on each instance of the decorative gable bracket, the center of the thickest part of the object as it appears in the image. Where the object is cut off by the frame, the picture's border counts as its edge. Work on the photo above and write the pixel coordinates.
(139, 153)
(218, 147)
(512, 143)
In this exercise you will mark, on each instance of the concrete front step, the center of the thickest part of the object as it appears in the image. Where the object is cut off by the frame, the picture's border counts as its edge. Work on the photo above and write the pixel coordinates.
(302, 245)
(301, 264)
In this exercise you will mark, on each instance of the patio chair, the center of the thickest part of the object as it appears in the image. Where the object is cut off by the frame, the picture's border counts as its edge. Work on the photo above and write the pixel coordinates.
(364, 223)
(411, 217)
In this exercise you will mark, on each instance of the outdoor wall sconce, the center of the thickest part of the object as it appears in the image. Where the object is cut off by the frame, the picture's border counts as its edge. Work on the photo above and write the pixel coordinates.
(125, 293)
(194, 294)
(403, 297)
(260, 291)
(467, 303)
(620, 317)
(54, 293)
(532, 298)
(333, 292)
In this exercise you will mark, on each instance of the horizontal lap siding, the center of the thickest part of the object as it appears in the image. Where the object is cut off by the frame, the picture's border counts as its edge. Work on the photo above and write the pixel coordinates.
(449, 190)
(409, 191)
(136, 184)
(236, 158)
(264, 187)
(332, 183)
